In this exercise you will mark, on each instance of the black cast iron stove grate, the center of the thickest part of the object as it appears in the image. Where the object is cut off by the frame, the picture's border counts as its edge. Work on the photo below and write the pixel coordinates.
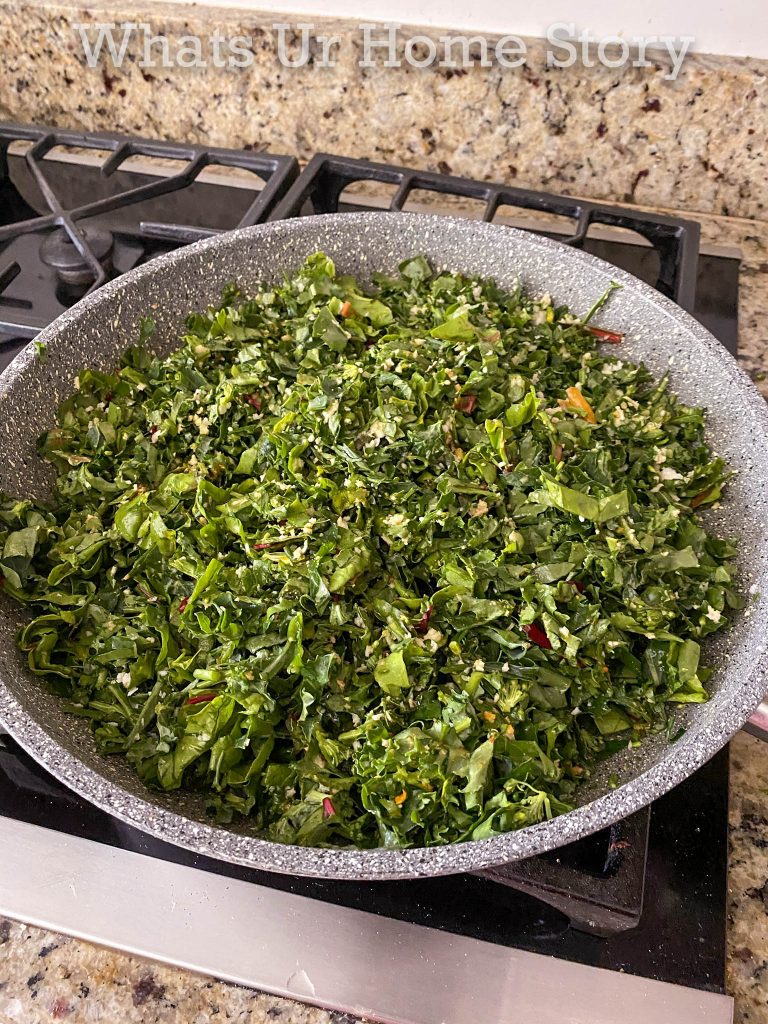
(87, 239)
(321, 187)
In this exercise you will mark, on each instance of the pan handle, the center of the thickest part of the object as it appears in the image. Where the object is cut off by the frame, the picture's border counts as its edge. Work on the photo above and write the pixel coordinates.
(757, 723)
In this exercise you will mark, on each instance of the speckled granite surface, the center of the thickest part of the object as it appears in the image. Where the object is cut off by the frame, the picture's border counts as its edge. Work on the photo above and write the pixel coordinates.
(748, 881)
(696, 143)
(46, 977)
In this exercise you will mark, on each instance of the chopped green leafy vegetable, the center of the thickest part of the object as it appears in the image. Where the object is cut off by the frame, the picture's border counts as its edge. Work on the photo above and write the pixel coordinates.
(384, 569)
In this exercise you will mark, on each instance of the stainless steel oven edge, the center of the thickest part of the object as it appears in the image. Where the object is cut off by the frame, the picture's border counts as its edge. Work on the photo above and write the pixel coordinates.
(316, 952)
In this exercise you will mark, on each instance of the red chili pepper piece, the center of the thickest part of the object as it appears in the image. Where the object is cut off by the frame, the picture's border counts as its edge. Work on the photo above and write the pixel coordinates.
(422, 625)
(577, 584)
(558, 453)
(612, 337)
(254, 400)
(537, 636)
(346, 309)
(183, 604)
(465, 403)
(328, 809)
(201, 698)
(263, 545)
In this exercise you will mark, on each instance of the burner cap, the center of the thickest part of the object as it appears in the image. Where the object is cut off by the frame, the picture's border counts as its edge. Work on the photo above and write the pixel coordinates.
(59, 252)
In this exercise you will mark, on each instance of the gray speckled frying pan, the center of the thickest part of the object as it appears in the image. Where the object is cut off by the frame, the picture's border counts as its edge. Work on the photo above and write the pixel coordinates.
(99, 328)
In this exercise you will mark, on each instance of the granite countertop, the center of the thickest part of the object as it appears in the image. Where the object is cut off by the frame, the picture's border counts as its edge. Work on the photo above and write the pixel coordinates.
(694, 145)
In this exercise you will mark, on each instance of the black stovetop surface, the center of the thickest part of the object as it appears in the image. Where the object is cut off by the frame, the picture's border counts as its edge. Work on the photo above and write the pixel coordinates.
(680, 937)
(647, 896)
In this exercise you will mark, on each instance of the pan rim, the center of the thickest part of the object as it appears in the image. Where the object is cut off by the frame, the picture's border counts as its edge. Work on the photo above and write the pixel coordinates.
(380, 863)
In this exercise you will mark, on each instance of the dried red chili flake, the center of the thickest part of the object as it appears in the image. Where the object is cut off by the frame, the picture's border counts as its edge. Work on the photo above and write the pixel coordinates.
(612, 337)
(422, 625)
(201, 698)
(558, 453)
(254, 400)
(346, 309)
(183, 604)
(577, 584)
(263, 545)
(328, 809)
(537, 636)
(465, 403)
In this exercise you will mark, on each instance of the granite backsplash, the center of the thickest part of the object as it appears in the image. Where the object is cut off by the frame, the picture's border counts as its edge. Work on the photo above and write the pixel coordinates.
(695, 143)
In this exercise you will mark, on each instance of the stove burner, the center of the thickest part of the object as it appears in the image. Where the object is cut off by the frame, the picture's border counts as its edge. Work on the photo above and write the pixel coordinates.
(112, 205)
(59, 251)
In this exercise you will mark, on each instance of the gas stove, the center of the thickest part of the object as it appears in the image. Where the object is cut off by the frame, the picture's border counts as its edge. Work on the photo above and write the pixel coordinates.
(628, 924)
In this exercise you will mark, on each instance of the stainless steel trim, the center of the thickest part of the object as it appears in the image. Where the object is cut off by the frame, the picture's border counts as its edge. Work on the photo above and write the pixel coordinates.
(311, 951)
(757, 723)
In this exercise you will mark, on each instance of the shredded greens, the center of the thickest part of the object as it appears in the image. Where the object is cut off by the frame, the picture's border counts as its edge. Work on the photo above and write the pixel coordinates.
(375, 569)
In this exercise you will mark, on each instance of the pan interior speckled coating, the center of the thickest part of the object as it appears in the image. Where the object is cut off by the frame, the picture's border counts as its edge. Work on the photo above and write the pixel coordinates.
(97, 330)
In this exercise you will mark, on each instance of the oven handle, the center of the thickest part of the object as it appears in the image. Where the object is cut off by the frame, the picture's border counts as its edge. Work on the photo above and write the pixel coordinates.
(757, 723)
